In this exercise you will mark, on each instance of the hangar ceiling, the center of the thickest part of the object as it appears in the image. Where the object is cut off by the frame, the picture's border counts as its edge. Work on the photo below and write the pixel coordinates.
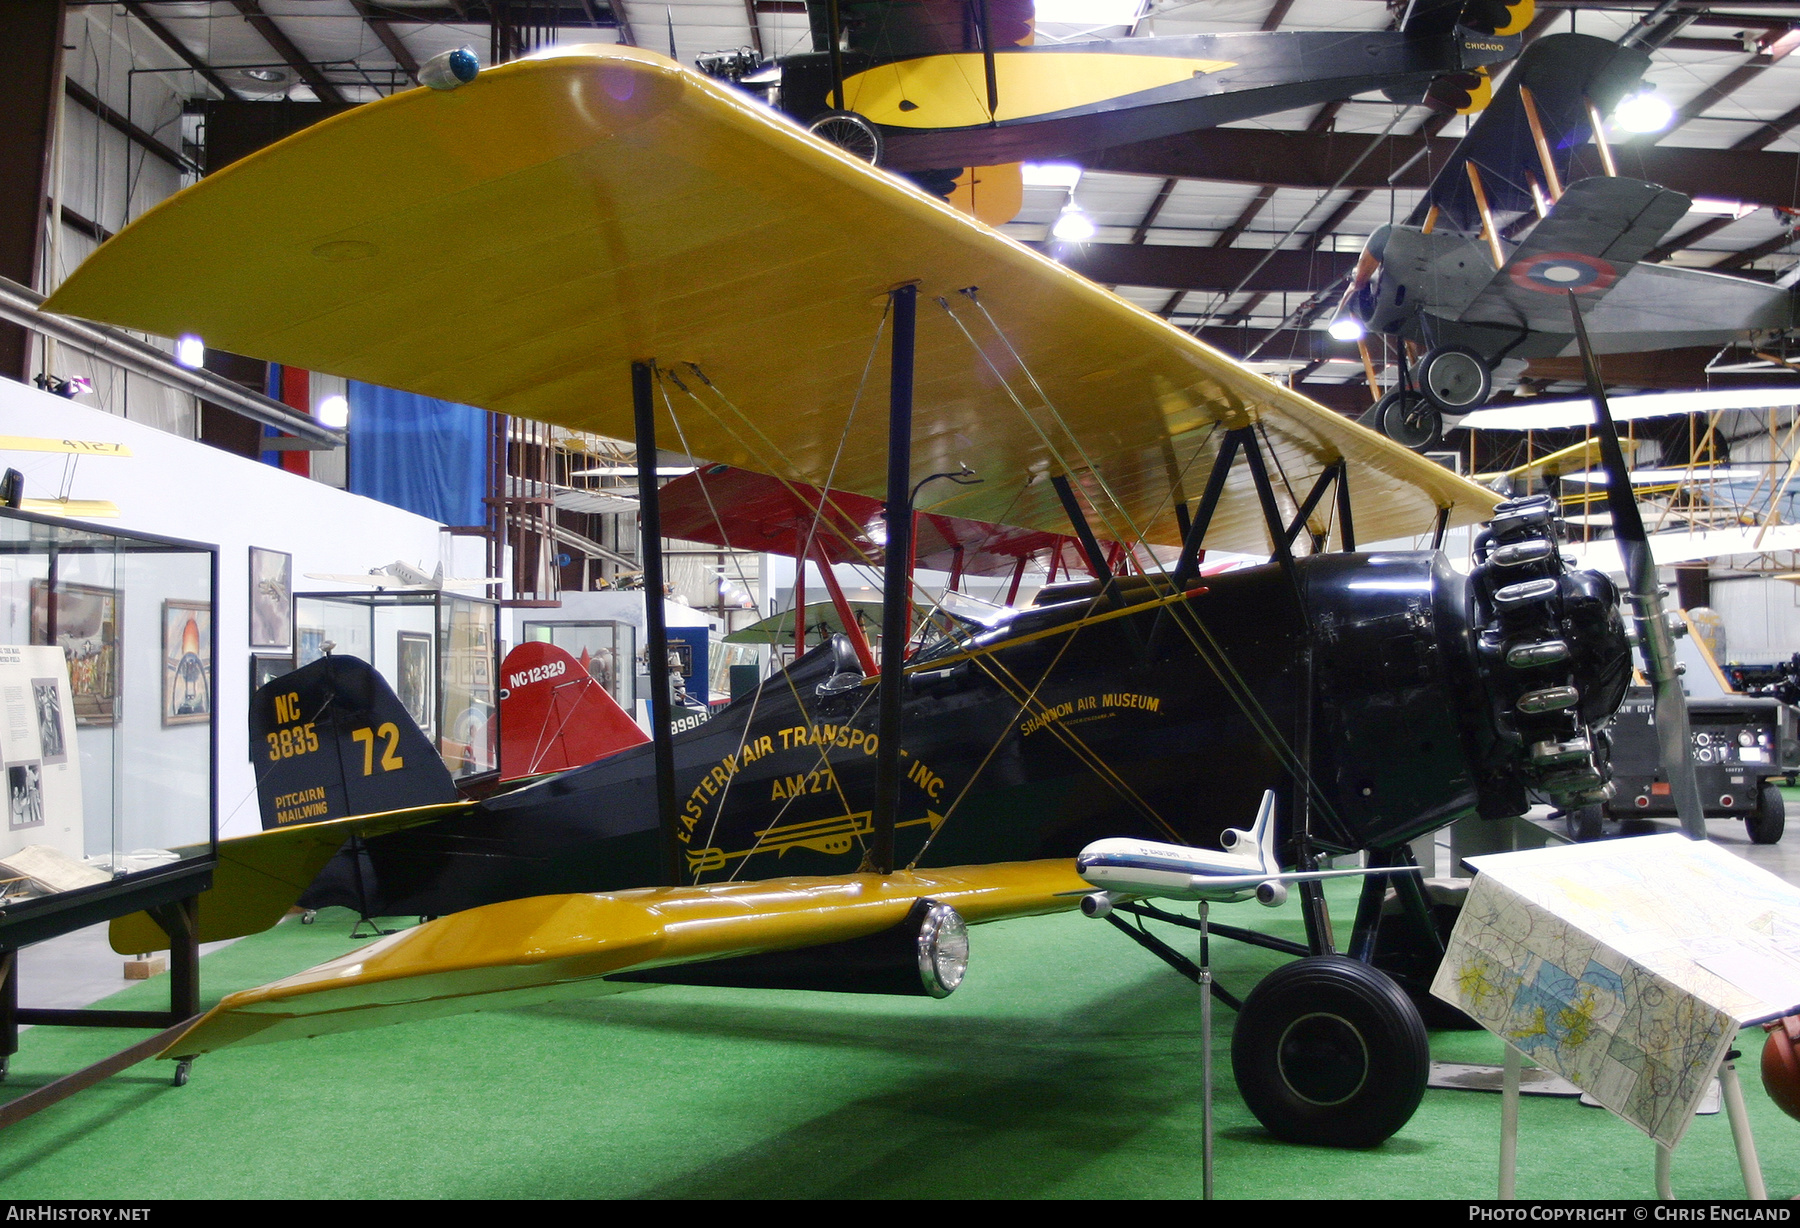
(1183, 223)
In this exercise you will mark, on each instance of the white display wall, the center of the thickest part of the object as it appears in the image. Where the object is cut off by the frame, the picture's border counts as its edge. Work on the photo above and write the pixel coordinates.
(177, 488)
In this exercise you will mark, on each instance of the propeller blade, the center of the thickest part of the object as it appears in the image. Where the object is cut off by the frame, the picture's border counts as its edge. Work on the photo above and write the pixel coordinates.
(1655, 639)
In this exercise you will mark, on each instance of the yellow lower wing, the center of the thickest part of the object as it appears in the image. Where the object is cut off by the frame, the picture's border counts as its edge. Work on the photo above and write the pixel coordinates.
(554, 946)
(518, 242)
(259, 876)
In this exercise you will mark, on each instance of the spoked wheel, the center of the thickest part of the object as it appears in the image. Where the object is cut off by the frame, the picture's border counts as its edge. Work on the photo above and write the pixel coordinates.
(1766, 822)
(1455, 379)
(1331, 1052)
(851, 133)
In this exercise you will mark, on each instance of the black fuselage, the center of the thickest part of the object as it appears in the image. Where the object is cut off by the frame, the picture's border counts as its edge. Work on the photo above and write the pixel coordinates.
(1036, 737)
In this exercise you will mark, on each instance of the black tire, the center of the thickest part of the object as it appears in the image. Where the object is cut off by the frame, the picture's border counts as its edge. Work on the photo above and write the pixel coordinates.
(851, 133)
(1409, 419)
(1455, 379)
(1585, 822)
(1765, 823)
(1330, 1052)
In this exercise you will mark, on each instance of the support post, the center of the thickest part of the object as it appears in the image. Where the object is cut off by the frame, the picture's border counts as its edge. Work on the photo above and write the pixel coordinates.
(896, 601)
(1487, 222)
(1084, 533)
(1600, 142)
(1442, 530)
(1189, 563)
(1551, 179)
(1509, 1123)
(847, 616)
(1346, 530)
(1314, 497)
(1012, 590)
(656, 628)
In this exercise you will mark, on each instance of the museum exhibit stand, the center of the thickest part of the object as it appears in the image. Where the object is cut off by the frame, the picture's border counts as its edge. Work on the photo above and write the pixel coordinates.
(439, 651)
(107, 744)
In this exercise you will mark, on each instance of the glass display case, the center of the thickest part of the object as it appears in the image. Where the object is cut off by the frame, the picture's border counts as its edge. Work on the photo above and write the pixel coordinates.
(439, 651)
(107, 747)
(606, 648)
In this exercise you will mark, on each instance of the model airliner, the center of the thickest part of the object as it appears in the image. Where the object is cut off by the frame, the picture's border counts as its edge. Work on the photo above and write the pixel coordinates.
(1135, 869)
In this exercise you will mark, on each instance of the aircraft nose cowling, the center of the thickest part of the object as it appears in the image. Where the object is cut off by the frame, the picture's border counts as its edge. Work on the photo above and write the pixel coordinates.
(1553, 660)
(1442, 695)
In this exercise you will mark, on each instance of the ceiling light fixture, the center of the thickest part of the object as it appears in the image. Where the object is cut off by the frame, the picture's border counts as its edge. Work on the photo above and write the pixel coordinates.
(270, 75)
(190, 351)
(334, 412)
(1346, 328)
(1648, 111)
(1072, 225)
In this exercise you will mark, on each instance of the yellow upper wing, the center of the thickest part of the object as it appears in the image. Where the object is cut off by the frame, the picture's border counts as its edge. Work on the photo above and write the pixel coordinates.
(516, 243)
(551, 946)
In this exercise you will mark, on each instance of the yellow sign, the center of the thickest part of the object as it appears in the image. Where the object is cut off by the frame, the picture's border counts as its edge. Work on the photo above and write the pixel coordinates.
(80, 447)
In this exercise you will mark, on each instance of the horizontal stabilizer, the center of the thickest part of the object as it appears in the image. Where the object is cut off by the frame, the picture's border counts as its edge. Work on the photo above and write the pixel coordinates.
(561, 946)
(258, 877)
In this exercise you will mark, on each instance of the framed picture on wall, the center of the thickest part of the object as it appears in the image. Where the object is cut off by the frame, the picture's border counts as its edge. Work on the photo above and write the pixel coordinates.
(413, 667)
(310, 645)
(187, 663)
(271, 598)
(266, 667)
(83, 621)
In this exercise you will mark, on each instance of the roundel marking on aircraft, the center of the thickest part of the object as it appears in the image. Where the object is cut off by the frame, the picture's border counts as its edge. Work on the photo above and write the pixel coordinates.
(1560, 272)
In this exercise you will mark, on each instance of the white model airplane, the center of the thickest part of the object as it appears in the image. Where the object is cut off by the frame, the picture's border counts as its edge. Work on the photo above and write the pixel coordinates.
(401, 575)
(1135, 869)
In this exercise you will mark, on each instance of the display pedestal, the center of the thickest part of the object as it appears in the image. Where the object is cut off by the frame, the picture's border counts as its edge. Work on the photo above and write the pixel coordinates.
(1733, 1093)
(177, 918)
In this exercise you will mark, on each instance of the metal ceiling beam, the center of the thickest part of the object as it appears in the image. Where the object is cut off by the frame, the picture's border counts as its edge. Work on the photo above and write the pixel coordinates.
(284, 47)
(384, 30)
(181, 49)
(22, 305)
(81, 96)
(1205, 268)
(1316, 161)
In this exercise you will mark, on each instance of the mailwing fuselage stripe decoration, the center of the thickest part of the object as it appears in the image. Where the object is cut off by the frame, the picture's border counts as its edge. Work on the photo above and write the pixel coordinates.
(516, 243)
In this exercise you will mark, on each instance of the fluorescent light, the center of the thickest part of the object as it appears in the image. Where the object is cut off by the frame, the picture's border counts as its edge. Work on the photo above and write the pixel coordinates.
(1064, 175)
(1645, 112)
(1721, 208)
(190, 351)
(334, 412)
(630, 471)
(1073, 226)
(1554, 415)
(1346, 328)
(1699, 475)
(1089, 12)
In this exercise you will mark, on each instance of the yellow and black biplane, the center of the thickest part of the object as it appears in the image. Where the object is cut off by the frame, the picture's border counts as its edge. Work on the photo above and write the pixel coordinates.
(602, 239)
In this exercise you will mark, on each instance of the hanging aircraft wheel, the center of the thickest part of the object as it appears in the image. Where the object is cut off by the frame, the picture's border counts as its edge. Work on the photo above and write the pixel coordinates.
(1408, 419)
(1770, 816)
(1585, 822)
(1331, 1052)
(1455, 379)
(851, 133)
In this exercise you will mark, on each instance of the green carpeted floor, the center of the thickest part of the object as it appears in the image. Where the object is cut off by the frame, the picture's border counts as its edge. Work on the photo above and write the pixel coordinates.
(1066, 1066)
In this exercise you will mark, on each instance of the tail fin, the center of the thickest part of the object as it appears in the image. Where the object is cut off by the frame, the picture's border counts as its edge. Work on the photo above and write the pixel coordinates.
(555, 715)
(1262, 832)
(332, 740)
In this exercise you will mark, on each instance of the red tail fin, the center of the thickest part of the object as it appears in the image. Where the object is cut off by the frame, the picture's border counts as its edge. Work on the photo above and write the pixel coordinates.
(553, 715)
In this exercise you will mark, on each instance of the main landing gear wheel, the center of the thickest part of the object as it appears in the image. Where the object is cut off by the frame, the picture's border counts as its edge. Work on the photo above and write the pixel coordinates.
(1455, 379)
(1585, 822)
(851, 133)
(1331, 1052)
(1766, 822)
(1408, 419)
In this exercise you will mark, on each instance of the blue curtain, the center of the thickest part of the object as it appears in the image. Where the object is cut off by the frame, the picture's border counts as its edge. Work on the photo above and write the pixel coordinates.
(424, 455)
